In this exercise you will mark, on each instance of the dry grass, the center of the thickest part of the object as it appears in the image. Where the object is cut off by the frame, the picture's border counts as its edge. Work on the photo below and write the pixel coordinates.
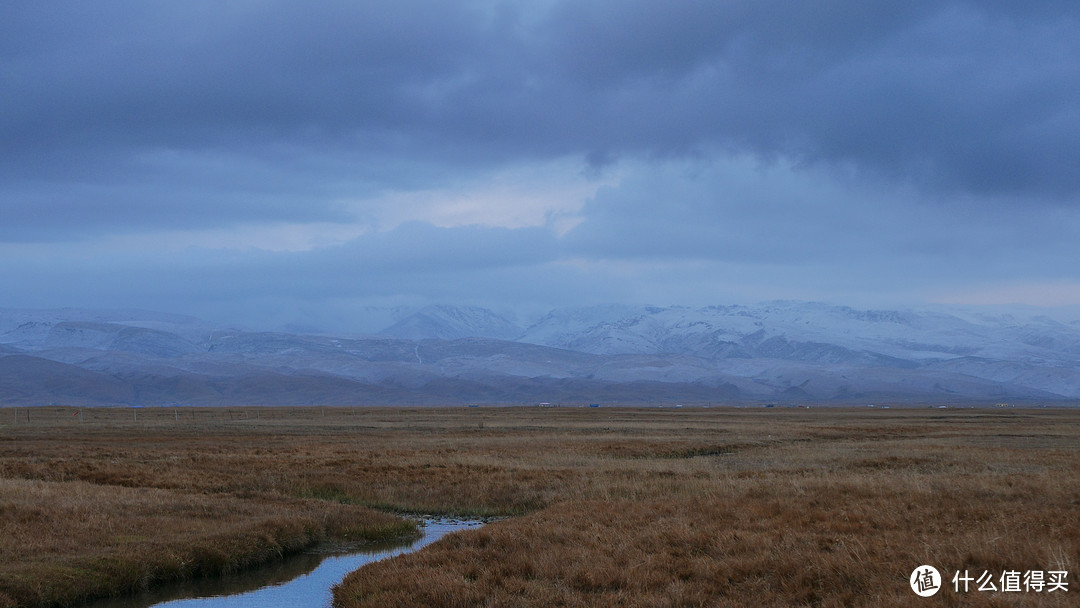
(619, 507)
(64, 541)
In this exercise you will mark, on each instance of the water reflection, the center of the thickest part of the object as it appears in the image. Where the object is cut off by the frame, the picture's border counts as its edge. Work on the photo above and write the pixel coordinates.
(303, 580)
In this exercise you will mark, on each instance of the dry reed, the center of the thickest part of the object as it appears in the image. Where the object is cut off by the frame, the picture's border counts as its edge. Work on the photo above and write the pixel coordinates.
(648, 507)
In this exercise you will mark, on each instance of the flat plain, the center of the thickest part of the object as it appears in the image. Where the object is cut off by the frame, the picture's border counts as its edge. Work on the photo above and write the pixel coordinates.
(605, 506)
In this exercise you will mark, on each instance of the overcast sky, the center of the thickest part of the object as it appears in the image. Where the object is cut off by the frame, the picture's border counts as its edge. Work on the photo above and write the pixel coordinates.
(290, 162)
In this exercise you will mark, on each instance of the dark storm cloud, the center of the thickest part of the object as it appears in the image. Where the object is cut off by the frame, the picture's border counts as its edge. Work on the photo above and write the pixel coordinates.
(202, 73)
(826, 229)
(205, 112)
(848, 144)
(962, 96)
(968, 97)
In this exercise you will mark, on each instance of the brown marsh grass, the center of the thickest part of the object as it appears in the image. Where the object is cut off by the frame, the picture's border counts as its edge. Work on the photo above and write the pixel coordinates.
(623, 507)
(65, 541)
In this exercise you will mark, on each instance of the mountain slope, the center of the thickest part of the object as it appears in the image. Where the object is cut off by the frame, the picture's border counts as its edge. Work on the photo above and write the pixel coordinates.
(453, 322)
(779, 351)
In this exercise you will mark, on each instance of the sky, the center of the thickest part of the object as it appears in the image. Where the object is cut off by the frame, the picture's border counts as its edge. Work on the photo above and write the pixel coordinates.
(279, 162)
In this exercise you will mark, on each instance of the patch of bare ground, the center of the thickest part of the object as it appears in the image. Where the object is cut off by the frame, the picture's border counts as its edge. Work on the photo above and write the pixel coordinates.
(643, 507)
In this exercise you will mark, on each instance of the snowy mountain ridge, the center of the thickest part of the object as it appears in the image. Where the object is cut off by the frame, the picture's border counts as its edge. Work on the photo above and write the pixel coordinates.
(707, 331)
(444, 322)
(448, 354)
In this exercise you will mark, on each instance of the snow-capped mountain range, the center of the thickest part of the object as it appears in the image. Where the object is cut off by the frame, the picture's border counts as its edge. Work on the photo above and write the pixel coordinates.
(778, 351)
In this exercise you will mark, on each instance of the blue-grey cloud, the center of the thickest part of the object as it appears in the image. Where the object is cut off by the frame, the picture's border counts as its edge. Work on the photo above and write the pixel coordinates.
(762, 216)
(414, 260)
(912, 143)
(961, 95)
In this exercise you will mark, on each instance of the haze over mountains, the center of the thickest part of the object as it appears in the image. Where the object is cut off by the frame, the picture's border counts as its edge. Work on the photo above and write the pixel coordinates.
(783, 352)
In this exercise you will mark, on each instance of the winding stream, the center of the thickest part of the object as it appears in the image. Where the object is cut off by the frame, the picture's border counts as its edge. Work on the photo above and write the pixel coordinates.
(303, 580)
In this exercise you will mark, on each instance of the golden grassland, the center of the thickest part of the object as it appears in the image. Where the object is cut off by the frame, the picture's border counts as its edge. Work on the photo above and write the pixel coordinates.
(612, 507)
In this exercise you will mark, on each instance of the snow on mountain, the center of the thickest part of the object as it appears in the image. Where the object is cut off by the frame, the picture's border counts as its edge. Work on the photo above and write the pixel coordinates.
(995, 350)
(121, 338)
(453, 322)
(803, 331)
(772, 351)
(34, 329)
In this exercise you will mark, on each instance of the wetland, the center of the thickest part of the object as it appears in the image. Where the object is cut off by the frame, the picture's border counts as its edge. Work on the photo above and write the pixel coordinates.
(607, 506)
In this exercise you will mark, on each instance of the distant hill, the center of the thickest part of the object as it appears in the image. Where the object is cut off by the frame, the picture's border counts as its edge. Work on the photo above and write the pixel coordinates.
(453, 322)
(781, 351)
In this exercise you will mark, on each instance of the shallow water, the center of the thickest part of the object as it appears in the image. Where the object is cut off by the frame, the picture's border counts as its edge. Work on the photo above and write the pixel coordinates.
(303, 580)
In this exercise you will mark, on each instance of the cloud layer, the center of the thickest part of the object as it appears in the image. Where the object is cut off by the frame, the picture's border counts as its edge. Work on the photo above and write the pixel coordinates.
(505, 151)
